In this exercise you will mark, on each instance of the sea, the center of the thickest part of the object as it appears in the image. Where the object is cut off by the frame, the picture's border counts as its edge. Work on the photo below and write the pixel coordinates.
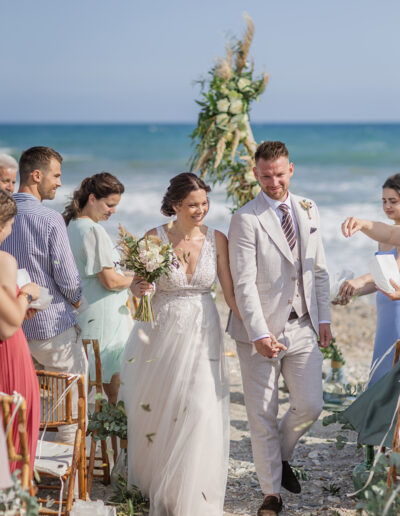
(340, 166)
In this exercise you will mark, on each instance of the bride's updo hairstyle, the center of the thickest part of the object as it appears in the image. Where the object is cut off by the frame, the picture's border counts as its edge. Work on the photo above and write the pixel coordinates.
(8, 208)
(179, 188)
(100, 185)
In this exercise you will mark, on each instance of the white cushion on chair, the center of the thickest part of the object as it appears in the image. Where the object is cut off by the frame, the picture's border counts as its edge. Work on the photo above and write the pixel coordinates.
(53, 458)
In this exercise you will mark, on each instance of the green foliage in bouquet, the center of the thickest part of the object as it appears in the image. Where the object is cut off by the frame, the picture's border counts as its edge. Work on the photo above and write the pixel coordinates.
(148, 257)
(333, 352)
(111, 420)
(223, 139)
(16, 499)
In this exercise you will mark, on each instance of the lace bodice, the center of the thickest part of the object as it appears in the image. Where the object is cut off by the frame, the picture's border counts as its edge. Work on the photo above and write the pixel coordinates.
(202, 278)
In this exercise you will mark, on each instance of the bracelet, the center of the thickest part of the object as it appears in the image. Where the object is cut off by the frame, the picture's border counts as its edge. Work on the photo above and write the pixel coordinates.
(28, 297)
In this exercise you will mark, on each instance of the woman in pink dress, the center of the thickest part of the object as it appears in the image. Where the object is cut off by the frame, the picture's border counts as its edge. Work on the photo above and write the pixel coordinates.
(17, 373)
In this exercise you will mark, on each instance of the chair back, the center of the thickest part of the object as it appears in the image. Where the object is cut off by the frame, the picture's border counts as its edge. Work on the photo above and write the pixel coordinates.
(7, 404)
(96, 382)
(56, 399)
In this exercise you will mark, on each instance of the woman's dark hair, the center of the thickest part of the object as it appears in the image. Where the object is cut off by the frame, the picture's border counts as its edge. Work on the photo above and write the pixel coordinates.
(393, 182)
(8, 207)
(100, 185)
(179, 188)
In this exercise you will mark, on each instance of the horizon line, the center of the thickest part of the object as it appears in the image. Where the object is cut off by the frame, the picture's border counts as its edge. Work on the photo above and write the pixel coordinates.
(186, 122)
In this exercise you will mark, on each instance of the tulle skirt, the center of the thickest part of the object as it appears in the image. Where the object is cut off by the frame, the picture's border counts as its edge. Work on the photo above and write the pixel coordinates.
(176, 394)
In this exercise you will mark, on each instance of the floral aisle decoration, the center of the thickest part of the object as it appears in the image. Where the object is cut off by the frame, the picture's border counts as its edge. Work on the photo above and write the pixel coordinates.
(149, 258)
(223, 139)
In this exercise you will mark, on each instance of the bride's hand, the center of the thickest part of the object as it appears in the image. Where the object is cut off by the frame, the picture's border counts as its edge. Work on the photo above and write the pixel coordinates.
(141, 287)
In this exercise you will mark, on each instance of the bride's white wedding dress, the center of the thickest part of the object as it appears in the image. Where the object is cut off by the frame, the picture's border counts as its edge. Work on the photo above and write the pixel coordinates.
(175, 388)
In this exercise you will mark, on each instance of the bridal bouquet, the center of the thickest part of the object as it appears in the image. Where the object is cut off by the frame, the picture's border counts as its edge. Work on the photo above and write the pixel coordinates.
(149, 258)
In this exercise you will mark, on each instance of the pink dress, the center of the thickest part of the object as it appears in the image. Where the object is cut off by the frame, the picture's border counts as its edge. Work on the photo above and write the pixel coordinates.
(18, 374)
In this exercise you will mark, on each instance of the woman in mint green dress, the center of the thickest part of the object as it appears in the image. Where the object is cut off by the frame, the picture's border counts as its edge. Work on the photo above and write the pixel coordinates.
(104, 285)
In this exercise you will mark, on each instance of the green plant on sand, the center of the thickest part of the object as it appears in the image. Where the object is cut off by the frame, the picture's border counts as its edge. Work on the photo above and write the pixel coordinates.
(128, 500)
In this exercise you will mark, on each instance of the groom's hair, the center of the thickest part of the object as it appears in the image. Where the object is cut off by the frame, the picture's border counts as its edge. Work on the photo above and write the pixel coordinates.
(270, 151)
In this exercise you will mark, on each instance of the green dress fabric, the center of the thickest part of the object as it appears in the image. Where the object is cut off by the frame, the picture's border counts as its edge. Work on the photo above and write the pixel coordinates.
(374, 413)
(107, 318)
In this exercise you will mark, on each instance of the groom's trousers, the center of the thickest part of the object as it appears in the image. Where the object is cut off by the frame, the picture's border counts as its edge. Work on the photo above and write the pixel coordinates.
(301, 367)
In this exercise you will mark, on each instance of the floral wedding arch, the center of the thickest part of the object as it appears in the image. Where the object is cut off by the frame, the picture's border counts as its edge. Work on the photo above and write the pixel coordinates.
(223, 139)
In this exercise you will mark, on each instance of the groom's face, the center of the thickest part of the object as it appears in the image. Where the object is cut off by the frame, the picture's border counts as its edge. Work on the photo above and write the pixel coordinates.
(274, 177)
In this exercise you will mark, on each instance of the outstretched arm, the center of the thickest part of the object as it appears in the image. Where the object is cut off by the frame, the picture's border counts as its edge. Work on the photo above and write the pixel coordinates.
(361, 286)
(379, 231)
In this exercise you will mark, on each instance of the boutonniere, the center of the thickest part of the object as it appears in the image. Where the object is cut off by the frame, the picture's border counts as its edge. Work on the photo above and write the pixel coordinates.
(306, 205)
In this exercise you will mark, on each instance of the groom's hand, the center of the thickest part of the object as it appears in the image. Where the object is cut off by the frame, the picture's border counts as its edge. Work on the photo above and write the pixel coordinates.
(269, 347)
(325, 335)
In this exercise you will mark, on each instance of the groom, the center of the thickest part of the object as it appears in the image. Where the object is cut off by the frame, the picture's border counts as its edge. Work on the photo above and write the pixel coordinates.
(282, 291)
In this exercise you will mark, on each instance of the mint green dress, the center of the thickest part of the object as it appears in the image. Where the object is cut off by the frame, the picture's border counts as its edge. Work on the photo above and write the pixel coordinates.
(107, 318)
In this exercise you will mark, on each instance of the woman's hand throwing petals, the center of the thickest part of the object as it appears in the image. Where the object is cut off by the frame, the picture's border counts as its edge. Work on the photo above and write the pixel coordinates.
(351, 225)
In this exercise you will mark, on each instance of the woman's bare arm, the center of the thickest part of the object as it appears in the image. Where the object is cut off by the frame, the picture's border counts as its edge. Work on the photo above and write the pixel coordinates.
(224, 272)
(379, 231)
(12, 307)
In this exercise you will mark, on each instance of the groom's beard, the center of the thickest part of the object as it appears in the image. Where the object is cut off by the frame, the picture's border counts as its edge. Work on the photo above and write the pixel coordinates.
(278, 194)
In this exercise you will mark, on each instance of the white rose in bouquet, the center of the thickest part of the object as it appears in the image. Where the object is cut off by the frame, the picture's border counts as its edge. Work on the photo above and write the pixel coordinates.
(243, 83)
(249, 176)
(239, 121)
(151, 266)
(255, 190)
(236, 106)
(222, 119)
(223, 105)
(224, 90)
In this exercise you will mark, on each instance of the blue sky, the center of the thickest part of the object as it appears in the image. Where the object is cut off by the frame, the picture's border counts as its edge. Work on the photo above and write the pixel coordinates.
(131, 61)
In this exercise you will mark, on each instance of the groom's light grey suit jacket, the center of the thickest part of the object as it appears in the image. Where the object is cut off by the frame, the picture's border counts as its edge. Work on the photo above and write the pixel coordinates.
(263, 270)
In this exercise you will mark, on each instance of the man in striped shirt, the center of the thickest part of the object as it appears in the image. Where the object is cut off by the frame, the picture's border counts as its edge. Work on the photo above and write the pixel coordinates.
(39, 242)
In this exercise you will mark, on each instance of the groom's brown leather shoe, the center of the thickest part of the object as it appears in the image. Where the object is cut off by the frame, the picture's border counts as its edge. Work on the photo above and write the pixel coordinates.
(289, 480)
(271, 506)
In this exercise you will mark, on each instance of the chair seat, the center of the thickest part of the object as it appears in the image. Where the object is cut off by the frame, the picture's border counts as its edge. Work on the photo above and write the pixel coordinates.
(53, 458)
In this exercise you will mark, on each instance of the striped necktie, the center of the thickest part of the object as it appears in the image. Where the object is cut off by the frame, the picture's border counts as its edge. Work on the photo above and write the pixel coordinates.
(287, 226)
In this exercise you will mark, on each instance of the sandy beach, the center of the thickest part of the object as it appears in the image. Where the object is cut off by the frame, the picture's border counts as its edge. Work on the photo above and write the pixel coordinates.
(329, 470)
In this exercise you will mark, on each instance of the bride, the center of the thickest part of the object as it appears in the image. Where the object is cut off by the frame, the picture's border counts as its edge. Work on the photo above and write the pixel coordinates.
(173, 378)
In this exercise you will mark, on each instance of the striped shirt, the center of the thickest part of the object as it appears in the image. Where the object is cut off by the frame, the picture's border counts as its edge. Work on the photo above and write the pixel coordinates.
(39, 242)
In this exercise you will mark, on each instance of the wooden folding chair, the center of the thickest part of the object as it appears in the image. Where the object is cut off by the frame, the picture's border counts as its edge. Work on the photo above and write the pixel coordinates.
(62, 460)
(7, 403)
(98, 384)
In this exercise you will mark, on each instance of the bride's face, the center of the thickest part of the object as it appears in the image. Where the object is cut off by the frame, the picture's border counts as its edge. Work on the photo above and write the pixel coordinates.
(193, 208)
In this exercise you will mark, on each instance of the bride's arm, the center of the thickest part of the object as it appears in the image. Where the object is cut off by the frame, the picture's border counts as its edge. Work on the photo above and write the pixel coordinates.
(224, 272)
